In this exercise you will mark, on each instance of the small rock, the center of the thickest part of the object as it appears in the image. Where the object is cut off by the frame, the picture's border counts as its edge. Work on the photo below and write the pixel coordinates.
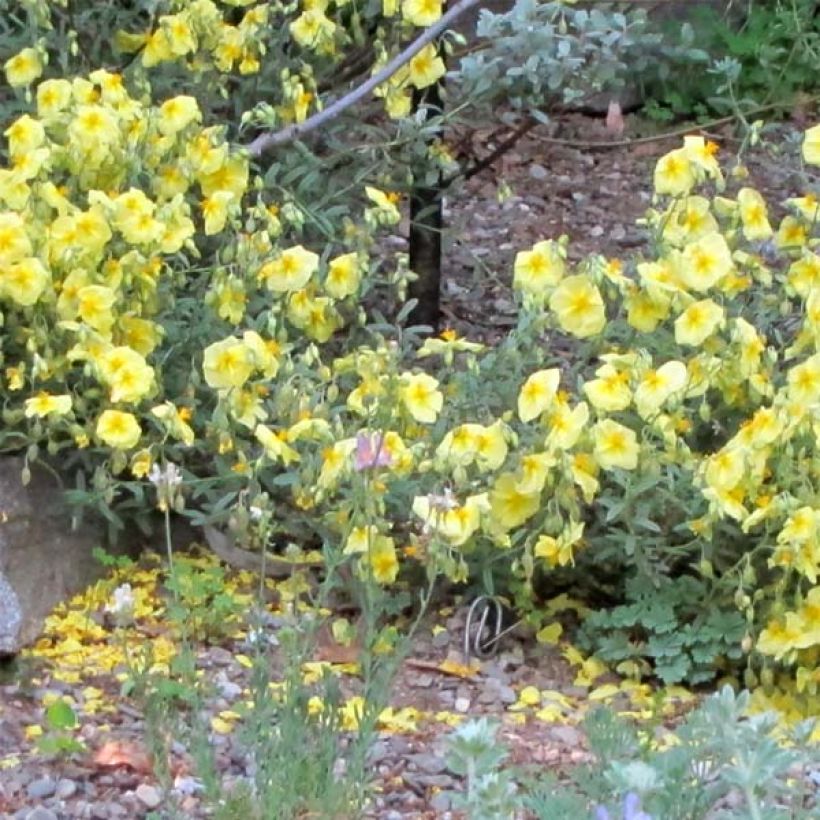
(462, 705)
(568, 735)
(65, 788)
(41, 788)
(423, 681)
(148, 795)
(441, 802)
(441, 640)
(538, 172)
(41, 814)
(429, 763)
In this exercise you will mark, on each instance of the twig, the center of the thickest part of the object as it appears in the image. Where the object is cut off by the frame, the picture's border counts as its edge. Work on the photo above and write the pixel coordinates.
(264, 142)
(485, 162)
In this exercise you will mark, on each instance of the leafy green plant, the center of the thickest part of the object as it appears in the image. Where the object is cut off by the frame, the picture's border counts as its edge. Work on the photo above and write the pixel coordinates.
(60, 721)
(770, 49)
(201, 604)
(668, 626)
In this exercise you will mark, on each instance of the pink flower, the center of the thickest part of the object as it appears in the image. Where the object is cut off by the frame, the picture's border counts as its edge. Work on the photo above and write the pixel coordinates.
(370, 452)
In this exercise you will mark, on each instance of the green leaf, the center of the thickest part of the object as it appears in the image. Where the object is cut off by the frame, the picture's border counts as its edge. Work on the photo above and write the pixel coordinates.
(61, 716)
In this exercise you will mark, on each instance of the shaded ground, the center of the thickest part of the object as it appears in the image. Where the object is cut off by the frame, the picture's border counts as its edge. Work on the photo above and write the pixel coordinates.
(538, 693)
(595, 197)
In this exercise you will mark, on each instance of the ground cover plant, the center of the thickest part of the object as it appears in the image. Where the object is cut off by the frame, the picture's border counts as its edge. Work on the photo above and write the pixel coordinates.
(193, 328)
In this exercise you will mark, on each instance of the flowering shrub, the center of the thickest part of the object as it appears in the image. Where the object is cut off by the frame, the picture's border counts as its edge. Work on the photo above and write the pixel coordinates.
(161, 303)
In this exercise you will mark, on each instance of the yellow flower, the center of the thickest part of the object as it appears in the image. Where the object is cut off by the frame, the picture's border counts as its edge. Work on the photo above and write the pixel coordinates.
(615, 445)
(674, 174)
(803, 276)
(578, 305)
(312, 29)
(227, 364)
(698, 322)
(141, 463)
(421, 13)
(811, 145)
(726, 468)
(644, 312)
(23, 68)
(804, 381)
(537, 269)
(385, 212)
(24, 135)
(276, 448)
(421, 396)
(343, 276)
(93, 129)
(753, 215)
(14, 241)
(24, 282)
(215, 211)
(95, 307)
(126, 373)
(566, 425)
(534, 470)
(610, 390)
(178, 113)
(444, 516)
(383, 561)
(705, 262)
(509, 507)
(658, 385)
(45, 404)
(52, 97)
(537, 393)
(291, 270)
(426, 67)
(118, 430)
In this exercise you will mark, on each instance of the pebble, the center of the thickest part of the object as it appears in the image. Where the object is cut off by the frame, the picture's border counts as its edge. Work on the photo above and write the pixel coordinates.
(441, 802)
(426, 762)
(148, 795)
(41, 788)
(65, 788)
(462, 705)
(441, 640)
(568, 735)
(41, 813)
(537, 171)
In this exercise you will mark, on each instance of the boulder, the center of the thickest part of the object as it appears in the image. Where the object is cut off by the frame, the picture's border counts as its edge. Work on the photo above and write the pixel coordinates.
(43, 561)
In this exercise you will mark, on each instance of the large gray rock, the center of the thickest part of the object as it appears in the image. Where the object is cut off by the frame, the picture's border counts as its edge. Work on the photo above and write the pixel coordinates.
(42, 561)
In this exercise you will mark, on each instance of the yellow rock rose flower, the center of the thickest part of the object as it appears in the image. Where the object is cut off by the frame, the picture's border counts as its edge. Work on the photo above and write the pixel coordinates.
(537, 393)
(614, 445)
(509, 507)
(426, 67)
(698, 322)
(23, 68)
(45, 404)
(811, 145)
(24, 281)
(421, 396)
(578, 306)
(674, 174)
(178, 113)
(421, 13)
(291, 270)
(227, 364)
(118, 430)
(705, 262)
(540, 268)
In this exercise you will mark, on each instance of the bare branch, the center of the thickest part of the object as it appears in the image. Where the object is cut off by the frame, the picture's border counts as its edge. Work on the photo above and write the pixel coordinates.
(264, 142)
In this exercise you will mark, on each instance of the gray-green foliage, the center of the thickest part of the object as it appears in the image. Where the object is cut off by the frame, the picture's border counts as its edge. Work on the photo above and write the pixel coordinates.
(548, 53)
(722, 763)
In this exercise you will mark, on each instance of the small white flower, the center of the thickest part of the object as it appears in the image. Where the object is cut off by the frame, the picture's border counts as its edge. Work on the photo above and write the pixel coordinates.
(122, 604)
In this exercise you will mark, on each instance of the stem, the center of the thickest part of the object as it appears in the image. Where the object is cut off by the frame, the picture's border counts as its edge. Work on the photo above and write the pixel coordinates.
(265, 142)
